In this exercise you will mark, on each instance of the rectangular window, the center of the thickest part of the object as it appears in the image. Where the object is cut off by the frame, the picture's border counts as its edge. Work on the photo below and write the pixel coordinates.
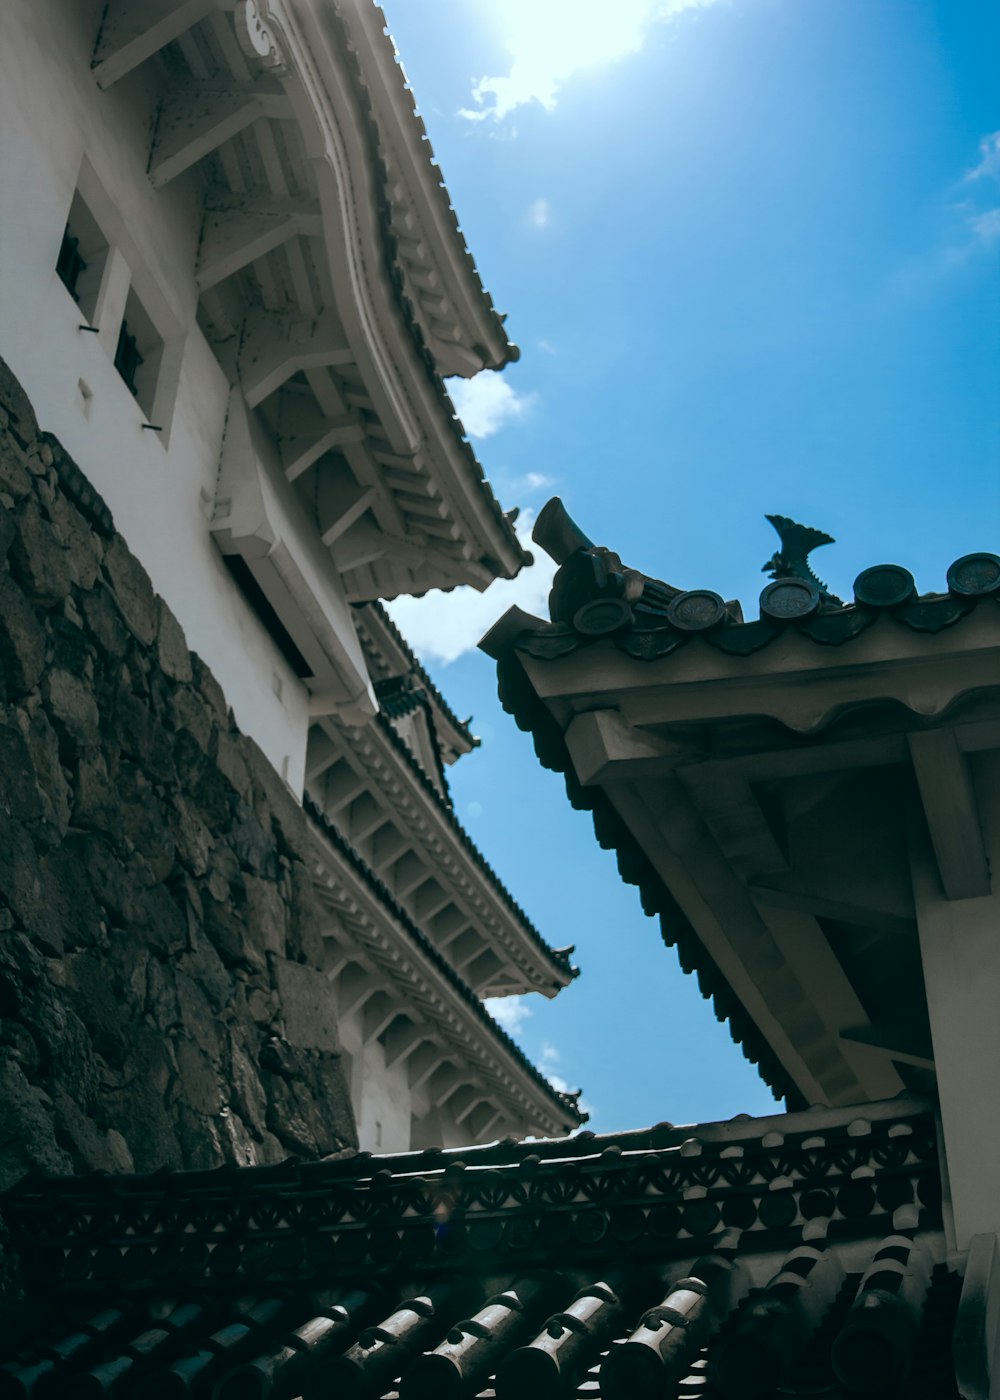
(139, 353)
(128, 361)
(70, 264)
(83, 254)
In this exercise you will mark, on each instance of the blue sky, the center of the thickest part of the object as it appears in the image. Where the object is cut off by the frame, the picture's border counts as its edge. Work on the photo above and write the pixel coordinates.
(750, 250)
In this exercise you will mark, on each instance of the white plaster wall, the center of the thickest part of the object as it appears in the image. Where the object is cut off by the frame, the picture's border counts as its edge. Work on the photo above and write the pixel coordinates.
(159, 488)
(381, 1097)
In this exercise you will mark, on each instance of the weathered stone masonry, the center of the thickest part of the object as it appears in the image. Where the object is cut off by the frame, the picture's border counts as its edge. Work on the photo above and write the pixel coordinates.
(152, 893)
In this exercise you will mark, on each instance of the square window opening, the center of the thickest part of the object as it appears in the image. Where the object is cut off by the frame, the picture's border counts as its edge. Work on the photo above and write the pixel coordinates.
(83, 254)
(139, 353)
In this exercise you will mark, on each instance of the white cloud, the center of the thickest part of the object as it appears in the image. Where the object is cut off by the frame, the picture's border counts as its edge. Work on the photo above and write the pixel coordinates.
(547, 347)
(549, 41)
(486, 402)
(989, 159)
(986, 226)
(531, 481)
(443, 626)
(550, 1058)
(509, 1012)
(540, 214)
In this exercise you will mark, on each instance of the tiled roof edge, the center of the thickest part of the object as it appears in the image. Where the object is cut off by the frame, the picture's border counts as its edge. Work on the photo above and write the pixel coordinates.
(566, 1102)
(560, 959)
(394, 273)
(659, 620)
(443, 199)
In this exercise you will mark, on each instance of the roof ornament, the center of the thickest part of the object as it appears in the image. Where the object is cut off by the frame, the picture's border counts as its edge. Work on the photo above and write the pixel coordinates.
(592, 590)
(792, 559)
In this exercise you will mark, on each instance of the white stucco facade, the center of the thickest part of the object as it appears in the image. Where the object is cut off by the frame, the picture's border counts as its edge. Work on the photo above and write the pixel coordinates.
(61, 133)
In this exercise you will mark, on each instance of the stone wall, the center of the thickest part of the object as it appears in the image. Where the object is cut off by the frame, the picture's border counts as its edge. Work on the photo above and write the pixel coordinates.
(153, 897)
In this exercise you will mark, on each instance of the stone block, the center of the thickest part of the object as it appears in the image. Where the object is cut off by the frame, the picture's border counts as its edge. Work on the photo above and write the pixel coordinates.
(247, 1091)
(8, 530)
(104, 621)
(226, 752)
(210, 689)
(15, 478)
(84, 548)
(171, 648)
(265, 914)
(29, 1136)
(22, 640)
(199, 1079)
(19, 795)
(229, 937)
(37, 557)
(95, 803)
(307, 920)
(22, 422)
(273, 801)
(72, 709)
(132, 591)
(308, 1006)
(22, 888)
(191, 715)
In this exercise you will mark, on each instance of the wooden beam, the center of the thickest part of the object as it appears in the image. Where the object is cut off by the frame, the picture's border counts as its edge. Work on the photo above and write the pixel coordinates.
(403, 1041)
(735, 818)
(355, 986)
(195, 123)
(605, 747)
(879, 1038)
(232, 238)
(802, 895)
(134, 30)
(299, 453)
(379, 1016)
(388, 845)
(321, 753)
(427, 1061)
(409, 874)
(277, 346)
(488, 1124)
(365, 815)
(952, 813)
(340, 505)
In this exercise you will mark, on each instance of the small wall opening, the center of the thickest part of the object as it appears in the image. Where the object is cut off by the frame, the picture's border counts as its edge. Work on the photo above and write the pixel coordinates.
(83, 254)
(139, 353)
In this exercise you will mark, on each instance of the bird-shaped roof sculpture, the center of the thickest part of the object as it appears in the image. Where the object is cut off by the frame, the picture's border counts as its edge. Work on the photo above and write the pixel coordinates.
(792, 559)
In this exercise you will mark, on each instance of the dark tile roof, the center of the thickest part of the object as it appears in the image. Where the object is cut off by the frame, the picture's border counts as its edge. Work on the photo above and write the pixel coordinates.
(594, 598)
(567, 1103)
(662, 619)
(706, 1262)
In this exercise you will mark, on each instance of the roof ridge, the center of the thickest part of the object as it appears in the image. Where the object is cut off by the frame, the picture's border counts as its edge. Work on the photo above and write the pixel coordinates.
(566, 1101)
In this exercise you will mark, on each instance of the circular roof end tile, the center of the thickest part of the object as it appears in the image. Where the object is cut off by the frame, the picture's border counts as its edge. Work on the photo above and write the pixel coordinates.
(789, 599)
(884, 586)
(602, 617)
(974, 575)
(697, 610)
